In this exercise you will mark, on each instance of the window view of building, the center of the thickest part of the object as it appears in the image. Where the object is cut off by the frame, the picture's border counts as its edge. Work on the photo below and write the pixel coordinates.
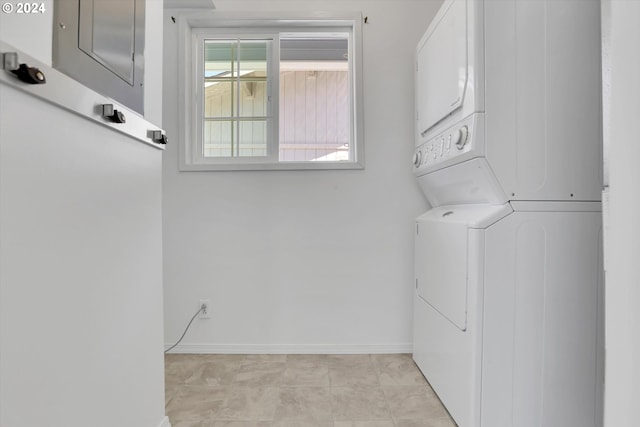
(313, 104)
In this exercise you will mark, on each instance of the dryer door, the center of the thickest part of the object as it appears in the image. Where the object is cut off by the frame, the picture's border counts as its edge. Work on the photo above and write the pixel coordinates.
(441, 78)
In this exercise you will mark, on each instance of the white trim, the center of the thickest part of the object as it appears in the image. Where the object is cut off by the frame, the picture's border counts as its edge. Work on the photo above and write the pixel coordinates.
(165, 422)
(292, 348)
(555, 206)
(189, 4)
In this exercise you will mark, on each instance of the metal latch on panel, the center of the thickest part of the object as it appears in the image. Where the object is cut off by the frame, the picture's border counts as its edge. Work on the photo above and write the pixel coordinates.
(25, 73)
(111, 114)
(158, 137)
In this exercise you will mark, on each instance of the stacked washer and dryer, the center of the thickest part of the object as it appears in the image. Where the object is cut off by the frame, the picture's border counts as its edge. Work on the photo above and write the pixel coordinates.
(508, 316)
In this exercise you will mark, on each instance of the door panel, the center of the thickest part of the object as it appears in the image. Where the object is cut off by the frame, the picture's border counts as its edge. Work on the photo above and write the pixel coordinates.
(107, 34)
(442, 67)
(100, 43)
(441, 268)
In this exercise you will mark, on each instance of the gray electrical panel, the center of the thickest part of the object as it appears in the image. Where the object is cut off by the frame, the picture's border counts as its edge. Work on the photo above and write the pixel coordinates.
(100, 43)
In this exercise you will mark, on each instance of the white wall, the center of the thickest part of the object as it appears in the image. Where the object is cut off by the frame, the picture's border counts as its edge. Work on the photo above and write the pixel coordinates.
(303, 261)
(622, 386)
(81, 333)
(153, 61)
(31, 33)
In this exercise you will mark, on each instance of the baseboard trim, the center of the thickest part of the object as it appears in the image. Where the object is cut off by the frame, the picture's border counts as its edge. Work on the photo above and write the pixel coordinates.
(291, 349)
(165, 422)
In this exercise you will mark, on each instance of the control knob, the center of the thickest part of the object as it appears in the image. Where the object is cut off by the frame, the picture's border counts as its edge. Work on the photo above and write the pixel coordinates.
(417, 158)
(460, 137)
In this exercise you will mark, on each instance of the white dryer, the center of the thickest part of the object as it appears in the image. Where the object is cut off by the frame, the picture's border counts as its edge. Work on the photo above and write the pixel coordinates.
(508, 325)
(516, 86)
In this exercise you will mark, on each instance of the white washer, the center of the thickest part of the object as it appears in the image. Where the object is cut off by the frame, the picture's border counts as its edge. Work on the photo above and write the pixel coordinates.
(508, 322)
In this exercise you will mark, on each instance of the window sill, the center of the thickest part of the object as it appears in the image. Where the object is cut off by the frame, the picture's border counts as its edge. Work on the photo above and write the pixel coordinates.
(282, 166)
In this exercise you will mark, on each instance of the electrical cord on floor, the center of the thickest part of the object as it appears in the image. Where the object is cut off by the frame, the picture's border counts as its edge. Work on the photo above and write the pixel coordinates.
(202, 308)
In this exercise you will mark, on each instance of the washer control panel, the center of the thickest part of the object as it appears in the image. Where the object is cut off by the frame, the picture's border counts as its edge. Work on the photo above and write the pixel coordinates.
(446, 147)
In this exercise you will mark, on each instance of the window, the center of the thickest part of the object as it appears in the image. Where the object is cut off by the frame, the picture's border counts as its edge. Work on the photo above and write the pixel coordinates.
(236, 112)
(272, 94)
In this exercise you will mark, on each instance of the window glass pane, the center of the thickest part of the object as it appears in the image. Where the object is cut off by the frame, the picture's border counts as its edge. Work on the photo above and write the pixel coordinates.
(252, 137)
(218, 138)
(219, 91)
(219, 58)
(219, 99)
(235, 98)
(252, 66)
(315, 112)
(235, 138)
(253, 97)
(252, 56)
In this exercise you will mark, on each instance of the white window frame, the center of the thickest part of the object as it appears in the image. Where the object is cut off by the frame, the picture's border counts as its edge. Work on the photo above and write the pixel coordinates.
(193, 30)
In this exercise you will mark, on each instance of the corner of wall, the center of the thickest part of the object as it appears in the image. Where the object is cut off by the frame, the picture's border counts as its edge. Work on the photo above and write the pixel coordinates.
(154, 18)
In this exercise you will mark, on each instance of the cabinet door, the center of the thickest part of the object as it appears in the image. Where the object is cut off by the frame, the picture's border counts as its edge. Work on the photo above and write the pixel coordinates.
(100, 43)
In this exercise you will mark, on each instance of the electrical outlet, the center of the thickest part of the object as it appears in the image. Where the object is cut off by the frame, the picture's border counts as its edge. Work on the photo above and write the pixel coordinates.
(205, 313)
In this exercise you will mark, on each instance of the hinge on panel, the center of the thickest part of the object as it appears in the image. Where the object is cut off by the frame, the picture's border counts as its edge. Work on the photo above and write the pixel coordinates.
(416, 283)
(417, 228)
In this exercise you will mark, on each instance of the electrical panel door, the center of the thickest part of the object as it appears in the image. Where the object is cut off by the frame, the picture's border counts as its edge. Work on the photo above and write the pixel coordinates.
(100, 43)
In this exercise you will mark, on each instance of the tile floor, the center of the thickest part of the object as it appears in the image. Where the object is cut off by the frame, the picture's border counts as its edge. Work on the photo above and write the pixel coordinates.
(378, 390)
